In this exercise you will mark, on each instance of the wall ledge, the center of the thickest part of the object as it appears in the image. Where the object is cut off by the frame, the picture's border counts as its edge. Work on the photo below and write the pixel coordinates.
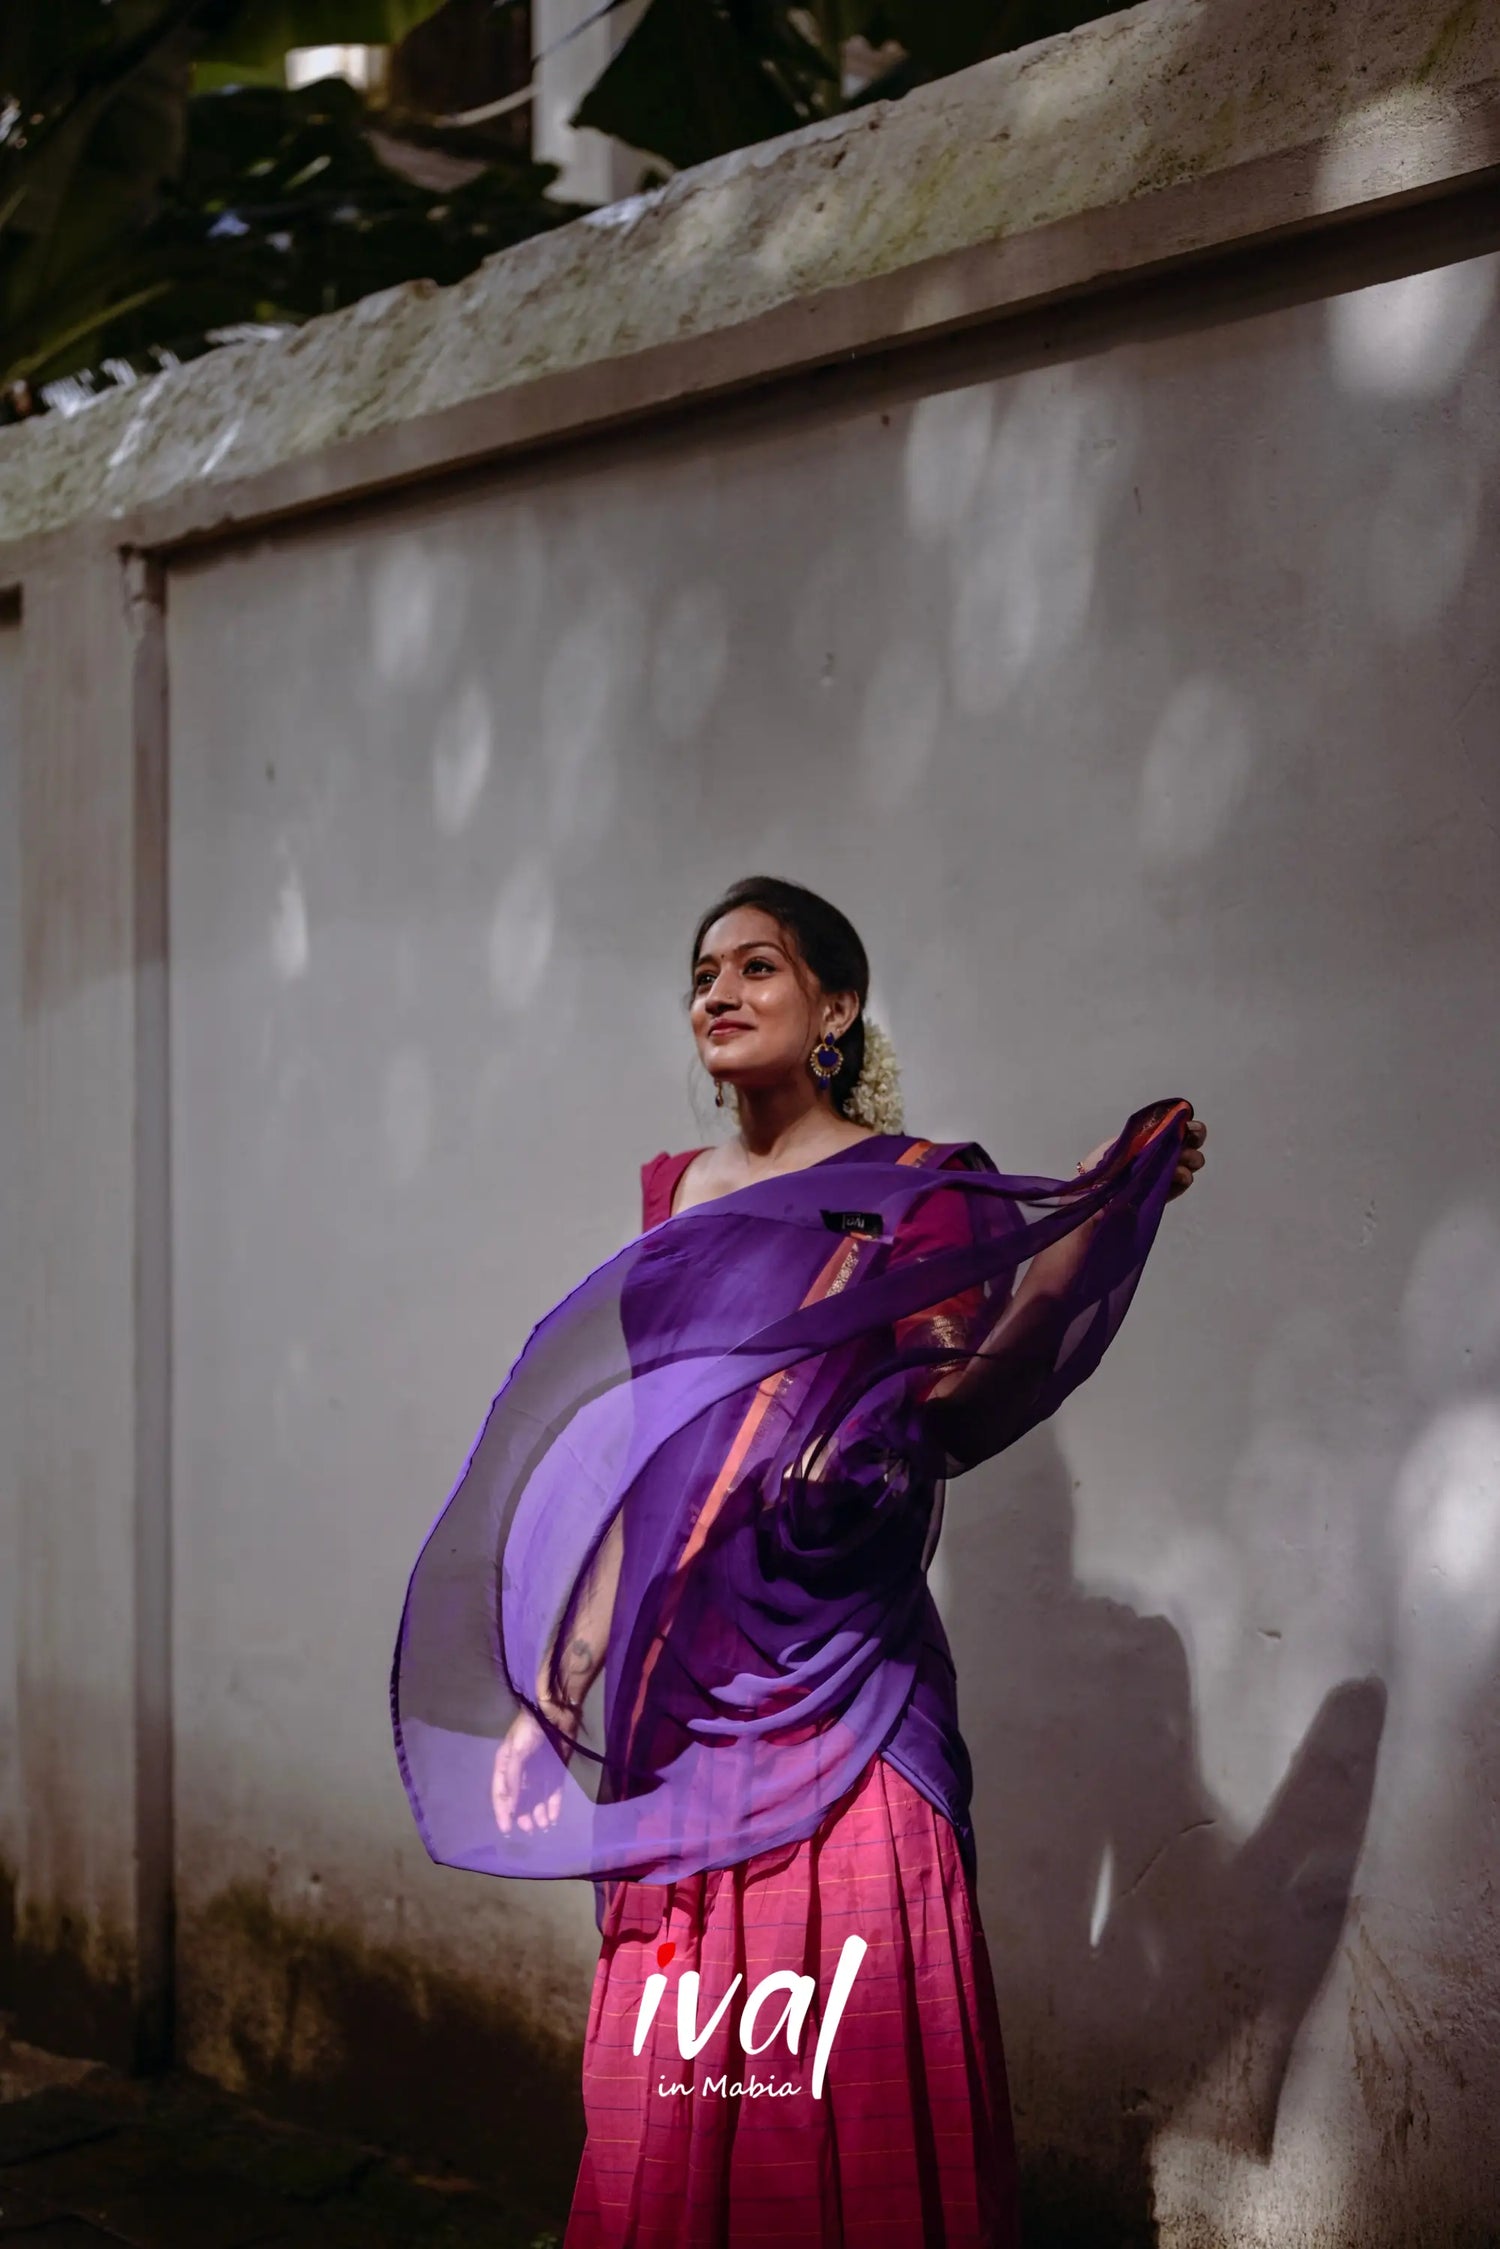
(1176, 130)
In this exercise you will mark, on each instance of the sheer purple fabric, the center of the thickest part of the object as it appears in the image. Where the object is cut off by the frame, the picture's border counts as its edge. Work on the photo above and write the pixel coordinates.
(717, 1466)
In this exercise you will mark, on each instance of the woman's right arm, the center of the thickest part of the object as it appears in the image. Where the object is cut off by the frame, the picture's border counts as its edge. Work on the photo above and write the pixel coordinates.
(580, 1661)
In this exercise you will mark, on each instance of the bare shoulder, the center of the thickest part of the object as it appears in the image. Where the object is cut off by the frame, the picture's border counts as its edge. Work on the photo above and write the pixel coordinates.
(707, 1176)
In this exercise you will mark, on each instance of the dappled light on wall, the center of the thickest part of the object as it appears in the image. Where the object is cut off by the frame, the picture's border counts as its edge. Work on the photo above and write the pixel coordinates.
(947, 445)
(1195, 771)
(1025, 552)
(418, 610)
(1198, 1584)
(689, 659)
(799, 239)
(1409, 338)
(461, 753)
(1422, 534)
(523, 926)
(1447, 1530)
(592, 673)
(1104, 1894)
(291, 946)
(1450, 1307)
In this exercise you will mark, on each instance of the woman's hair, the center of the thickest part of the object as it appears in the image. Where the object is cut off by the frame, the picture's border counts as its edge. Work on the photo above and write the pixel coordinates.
(828, 943)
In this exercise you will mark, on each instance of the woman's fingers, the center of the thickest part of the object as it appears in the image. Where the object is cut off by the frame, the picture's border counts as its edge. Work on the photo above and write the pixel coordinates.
(505, 1782)
(507, 1778)
(1189, 1159)
(505, 1786)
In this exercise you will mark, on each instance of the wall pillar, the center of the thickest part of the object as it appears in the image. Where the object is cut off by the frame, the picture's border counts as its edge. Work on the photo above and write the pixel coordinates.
(92, 1953)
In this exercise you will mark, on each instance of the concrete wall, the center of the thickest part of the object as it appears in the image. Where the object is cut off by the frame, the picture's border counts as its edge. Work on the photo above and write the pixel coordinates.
(1121, 659)
(1147, 142)
(89, 1522)
(1141, 709)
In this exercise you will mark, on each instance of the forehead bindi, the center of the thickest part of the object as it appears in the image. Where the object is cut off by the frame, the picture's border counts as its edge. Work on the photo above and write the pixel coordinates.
(738, 935)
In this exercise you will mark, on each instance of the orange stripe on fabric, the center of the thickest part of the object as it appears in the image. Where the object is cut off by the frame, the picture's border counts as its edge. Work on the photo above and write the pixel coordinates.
(755, 1414)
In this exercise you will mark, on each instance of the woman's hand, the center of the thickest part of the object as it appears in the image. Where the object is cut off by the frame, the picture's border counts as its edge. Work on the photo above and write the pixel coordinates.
(523, 1738)
(1191, 1159)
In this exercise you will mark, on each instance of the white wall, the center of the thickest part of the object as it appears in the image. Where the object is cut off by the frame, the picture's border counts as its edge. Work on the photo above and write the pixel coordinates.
(10, 1219)
(1141, 709)
(569, 60)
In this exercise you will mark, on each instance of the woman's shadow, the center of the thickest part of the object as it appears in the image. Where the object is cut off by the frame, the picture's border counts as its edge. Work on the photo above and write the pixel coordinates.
(1147, 1956)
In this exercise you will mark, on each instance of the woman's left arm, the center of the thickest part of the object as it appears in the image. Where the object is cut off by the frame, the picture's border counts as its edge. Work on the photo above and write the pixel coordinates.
(969, 1404)
(1052, 1269)
(974, 1394)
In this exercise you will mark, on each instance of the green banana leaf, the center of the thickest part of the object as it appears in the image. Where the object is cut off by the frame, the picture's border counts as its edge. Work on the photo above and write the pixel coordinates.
(697, 78)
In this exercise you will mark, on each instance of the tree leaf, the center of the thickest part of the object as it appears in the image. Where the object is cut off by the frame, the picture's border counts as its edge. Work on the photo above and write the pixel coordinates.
(948, 37)
(284, 209)
(59, 345)
(263, 31)
(687, 85)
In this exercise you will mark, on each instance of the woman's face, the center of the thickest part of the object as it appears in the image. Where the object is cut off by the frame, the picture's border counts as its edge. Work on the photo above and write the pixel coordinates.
(757, 1011)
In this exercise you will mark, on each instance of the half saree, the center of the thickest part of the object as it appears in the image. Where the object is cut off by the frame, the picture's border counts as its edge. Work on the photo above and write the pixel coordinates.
(723, 1458)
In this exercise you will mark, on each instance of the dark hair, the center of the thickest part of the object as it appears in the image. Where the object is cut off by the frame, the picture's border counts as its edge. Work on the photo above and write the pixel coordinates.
(829, 944)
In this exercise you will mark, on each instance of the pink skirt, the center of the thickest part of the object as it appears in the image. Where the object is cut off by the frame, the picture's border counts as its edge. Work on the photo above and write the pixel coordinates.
(909, 2145)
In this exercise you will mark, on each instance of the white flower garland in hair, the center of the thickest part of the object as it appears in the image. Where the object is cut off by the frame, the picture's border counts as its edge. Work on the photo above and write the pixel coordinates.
(876, 1099)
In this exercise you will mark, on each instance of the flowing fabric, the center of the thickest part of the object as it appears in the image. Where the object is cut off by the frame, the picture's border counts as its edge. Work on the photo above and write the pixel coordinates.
(720, 1462)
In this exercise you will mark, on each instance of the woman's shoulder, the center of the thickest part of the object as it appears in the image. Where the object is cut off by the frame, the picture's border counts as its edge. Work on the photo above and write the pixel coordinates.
(659, 1177)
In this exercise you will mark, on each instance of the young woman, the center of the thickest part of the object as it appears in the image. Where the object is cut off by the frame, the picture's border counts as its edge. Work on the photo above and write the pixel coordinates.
(710, 1490)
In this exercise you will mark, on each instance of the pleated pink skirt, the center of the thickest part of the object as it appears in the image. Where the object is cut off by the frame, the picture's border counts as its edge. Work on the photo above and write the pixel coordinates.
(909, 2146)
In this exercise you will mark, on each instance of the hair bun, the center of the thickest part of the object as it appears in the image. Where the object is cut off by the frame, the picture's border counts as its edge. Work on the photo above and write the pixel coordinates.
(876, 1099)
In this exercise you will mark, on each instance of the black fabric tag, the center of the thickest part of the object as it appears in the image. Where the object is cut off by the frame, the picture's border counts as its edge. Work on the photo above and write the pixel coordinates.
(854, 1222)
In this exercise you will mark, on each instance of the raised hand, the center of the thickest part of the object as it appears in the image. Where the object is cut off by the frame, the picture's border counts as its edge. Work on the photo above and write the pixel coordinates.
(1190, 1161)
(507, 1783)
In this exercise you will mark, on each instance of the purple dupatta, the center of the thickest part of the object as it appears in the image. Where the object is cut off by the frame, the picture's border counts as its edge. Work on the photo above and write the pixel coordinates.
(723, 1454)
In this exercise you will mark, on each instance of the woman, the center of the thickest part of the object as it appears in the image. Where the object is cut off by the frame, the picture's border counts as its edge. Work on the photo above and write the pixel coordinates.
(712, 1486)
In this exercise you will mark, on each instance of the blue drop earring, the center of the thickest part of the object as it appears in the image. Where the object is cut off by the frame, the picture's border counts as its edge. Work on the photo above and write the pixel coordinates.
(827, 1059)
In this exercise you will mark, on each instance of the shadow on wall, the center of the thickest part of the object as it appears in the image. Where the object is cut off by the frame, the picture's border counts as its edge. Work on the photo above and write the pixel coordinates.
(1146, 1956)
(315, 2023)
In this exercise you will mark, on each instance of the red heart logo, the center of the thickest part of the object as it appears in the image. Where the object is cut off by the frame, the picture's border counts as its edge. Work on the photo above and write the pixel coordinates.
(664, 1953)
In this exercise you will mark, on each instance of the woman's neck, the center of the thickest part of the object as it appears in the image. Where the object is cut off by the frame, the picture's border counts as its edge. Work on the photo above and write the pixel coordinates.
(780, 1124)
